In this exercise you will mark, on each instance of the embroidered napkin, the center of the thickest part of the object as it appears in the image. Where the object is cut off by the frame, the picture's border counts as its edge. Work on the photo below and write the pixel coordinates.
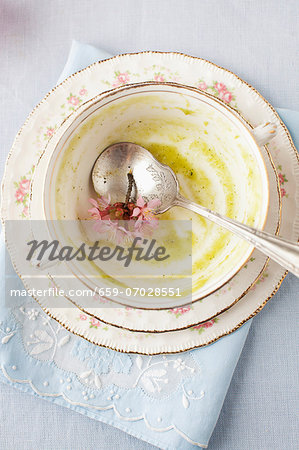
(170, 401)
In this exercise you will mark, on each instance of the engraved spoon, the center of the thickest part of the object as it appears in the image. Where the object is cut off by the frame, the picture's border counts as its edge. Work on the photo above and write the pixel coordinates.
(155, 180)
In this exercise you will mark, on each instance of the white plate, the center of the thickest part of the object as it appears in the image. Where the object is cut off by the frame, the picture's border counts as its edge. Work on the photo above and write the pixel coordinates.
(140, 67)
(112, 312)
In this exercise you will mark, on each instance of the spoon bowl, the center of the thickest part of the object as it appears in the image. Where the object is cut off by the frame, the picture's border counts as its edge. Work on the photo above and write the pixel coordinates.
(152, 179)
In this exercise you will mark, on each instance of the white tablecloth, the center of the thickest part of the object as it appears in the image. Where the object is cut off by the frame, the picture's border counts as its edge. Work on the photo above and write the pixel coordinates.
(258, 41)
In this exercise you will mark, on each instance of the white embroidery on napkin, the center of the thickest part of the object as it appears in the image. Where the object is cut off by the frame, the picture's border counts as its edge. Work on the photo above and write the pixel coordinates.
(104, 408)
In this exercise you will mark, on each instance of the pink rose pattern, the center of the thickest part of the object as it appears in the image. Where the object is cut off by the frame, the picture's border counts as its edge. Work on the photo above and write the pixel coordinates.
(83, 91)
(156, 73)
(93, 322)
(161, 74)
(159, 77)
(282, 180)
(178, 312)
(121, 78)
(203, 326)
(49, 132)
(72, 102)
(163, 77)
(202, 86)
(22, 189)
(219, 90)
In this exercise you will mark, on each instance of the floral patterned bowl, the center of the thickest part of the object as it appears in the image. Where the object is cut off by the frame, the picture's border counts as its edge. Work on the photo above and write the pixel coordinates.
(214, 152)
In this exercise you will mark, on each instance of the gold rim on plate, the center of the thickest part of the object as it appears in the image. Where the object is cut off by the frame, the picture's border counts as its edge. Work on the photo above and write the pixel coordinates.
(79, 112)
(296, 225)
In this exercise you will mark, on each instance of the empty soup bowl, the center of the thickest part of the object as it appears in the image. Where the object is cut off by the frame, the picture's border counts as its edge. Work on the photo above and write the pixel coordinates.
(214, 153)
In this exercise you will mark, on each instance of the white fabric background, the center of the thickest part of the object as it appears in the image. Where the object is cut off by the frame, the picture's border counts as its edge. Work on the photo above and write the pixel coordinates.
(256, 39)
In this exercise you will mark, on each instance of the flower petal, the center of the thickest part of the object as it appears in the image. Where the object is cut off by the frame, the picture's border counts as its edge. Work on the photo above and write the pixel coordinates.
(93, 202)
(104, 202)
(140, 202)
(95, 213)
(138, 222)
(136, 212)
(152, 204)
(101, 226)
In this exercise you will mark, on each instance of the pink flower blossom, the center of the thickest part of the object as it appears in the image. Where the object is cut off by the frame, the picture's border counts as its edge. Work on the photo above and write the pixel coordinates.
(145, 227)
(139, 218)
(95, 323)
(205, 325)
(198, 326)
(208, 324)
(144, 211)
(25, 185)
(281, 178)
(202, 85)
(104, 202)
(220, 87)
(83, 317)
(122, 78)
(283, 192)
(159, 77)
(73, 100)
(226, 96)
(49, 132)
(117, 233)
(83, 91)
(181, 310)
(26, 211)
(102, 226)
(20, 195)
(99, 204)
(95, 212)
(146, 220)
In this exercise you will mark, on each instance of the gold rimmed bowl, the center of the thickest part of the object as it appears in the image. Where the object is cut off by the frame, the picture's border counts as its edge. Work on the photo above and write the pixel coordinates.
(214, 152)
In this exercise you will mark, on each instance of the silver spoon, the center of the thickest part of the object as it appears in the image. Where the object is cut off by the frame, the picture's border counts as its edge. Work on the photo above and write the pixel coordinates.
(155, 180)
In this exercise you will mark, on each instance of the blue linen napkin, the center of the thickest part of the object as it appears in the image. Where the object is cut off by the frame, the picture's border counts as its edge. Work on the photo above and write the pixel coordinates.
(170, 401)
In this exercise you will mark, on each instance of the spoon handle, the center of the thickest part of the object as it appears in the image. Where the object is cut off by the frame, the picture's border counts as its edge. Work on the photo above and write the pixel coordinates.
(283, 252)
